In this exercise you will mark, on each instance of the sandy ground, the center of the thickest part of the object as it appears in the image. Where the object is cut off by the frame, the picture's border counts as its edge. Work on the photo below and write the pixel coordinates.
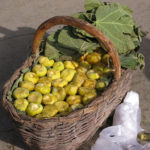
(18, 22)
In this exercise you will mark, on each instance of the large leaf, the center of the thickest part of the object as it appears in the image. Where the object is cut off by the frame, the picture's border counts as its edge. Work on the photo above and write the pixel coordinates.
(113, 19)
(81, 15)
(68, 40)
(54, 50)
(132, 60)
(91, 4)
(129, 62)
(81, 33)
(63, 45)
(117, 25)
(50, 49)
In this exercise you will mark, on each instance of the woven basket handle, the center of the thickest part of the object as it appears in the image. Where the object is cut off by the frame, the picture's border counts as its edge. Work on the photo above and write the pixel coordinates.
(66, 20)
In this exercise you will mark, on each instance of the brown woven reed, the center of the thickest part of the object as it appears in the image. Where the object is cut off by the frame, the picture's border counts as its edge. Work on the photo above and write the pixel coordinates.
(69, 132)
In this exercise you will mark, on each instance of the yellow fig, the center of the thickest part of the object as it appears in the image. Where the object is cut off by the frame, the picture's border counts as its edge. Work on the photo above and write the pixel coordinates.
(40, 70)
(90, 83)
(34, 109)
(45, 80)
(85, 90)
(53, 74)
(91, 74)
(27, 84)
(49, 99)
(59, 83)
(59, 92)
(45, 61)
(31, 76)
(107, 71)
(59, 66)
(21, 104)
(75, 64)
(61, 106)
(42, 88)
(20, 93)
(68, 74)
(88, 97)
(35, 97)
(74, 99)
(69, 65)
(81, 69)
(100, 85)
(93, 57)
(48, 111)
(79, 78)
(71, 89)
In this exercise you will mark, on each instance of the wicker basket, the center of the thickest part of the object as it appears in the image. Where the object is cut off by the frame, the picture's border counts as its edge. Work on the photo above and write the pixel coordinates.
(69, 132)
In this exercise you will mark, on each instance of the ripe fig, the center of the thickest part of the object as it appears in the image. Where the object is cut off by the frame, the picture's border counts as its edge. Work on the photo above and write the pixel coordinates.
(40, 70)
(27, 84)
(79, 78)
(45, 80)
(100, 85)
(21, 104)
(35, 97)
(48, 112)
(49, 99)
(31, 76)
(74, 99)
(59, 66)
(90, 83)
(88, 97)
(34, 109)
(20, 93)
(45, 61)
(59, 92)
(68, 65)
(53, 74)
(61, 106)
(85, 90)
(42, 88)
(93, 57)
(68, 74)
(59, 83)
(75, 64)
(71, 89)
(82, 69)
(91, 74)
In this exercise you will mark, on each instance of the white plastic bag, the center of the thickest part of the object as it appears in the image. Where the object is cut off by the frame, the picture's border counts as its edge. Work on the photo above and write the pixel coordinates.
(109, 139)
(126, 125)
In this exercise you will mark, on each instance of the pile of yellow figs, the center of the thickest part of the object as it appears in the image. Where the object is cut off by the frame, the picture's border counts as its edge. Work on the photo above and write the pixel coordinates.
(58, 88)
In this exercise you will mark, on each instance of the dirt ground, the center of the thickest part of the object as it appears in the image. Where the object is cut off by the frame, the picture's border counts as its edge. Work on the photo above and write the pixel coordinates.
(18, 22)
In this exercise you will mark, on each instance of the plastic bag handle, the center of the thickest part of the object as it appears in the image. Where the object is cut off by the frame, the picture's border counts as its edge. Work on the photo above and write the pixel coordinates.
(66, 20)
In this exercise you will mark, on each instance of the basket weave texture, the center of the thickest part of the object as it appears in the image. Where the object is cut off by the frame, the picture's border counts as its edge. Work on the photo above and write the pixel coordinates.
(69, 132)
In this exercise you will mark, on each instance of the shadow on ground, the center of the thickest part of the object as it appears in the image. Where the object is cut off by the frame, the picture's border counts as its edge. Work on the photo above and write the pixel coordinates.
(15, 47)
